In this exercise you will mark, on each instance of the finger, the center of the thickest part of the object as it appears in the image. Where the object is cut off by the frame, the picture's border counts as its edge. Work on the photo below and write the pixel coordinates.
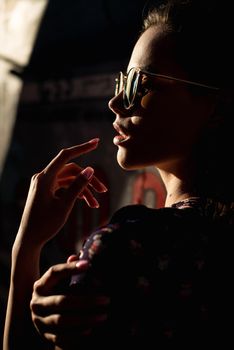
(89, 198)
(65, 181)
(67, 154)
(70, 172)
(69, 169)
(69, 340)
(66, 321)
(74, 257)
(58, 273)
(79, 186)
(98, 185)
(42, 306)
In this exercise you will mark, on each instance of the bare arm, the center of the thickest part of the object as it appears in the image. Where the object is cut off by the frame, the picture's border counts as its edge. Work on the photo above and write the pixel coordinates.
(19, 329)
(46, 211)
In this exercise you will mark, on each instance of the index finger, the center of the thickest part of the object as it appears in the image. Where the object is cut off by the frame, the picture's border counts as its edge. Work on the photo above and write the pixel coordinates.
(58, 273)
(67, 154)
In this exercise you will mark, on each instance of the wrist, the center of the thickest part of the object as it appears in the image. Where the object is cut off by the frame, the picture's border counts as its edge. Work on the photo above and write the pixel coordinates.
(25, 264)
(23, 249)
(27, 240)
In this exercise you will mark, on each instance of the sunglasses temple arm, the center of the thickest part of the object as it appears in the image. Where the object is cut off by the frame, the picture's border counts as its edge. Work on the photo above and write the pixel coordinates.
(187, 82)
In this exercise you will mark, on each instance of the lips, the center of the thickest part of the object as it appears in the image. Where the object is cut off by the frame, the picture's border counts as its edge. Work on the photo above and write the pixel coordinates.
(122, 135)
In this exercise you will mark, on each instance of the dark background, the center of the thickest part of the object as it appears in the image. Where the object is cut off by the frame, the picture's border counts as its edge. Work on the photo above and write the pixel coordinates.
(79, 43)
(76, 36)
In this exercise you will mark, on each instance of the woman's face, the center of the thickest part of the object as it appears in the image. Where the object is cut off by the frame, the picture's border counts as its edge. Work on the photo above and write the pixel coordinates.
(163, 126)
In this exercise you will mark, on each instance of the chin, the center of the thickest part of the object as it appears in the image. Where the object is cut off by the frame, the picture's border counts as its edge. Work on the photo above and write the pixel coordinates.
(128, 164)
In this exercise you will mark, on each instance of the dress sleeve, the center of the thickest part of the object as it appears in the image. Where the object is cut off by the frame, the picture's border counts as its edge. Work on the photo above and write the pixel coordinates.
(100, 251)
(106, 249)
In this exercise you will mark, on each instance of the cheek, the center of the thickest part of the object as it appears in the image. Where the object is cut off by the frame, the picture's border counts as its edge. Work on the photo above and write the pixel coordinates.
(149, 101)
(157, 113)
(169, 122)
(169, 111)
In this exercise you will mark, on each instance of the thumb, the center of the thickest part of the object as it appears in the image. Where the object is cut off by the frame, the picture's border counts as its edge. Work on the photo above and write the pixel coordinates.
(72, 258)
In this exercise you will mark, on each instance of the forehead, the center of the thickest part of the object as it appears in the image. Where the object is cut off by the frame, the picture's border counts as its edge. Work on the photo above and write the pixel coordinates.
(154, 50)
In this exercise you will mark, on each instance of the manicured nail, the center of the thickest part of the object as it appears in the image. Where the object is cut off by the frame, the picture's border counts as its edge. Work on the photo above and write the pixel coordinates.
(96, 204)
(87, 172)
(81, 263)
(96, 140)
(104, 188)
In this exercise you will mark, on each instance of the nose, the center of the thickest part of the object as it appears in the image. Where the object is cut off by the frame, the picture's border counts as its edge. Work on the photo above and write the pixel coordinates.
(116, 103)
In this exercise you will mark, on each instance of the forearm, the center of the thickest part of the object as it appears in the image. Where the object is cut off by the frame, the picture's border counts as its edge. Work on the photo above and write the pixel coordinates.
(19, 330)
(45, 213)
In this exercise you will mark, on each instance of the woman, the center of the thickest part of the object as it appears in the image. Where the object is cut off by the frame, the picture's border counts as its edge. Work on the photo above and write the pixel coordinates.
(144, 276)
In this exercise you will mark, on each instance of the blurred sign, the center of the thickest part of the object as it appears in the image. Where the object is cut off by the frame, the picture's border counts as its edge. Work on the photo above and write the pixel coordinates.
(68, 90)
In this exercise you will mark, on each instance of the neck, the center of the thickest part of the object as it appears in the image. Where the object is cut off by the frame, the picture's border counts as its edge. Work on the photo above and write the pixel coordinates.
(178, 186)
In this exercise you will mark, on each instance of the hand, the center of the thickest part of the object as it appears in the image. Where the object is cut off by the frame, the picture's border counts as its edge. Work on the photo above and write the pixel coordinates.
(53, 193)
(65, 319)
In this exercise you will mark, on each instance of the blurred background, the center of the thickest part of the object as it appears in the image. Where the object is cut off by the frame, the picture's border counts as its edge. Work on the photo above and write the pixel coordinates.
(58, 63)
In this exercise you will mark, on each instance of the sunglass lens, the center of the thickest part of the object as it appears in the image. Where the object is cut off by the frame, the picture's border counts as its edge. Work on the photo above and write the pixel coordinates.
(130, 90)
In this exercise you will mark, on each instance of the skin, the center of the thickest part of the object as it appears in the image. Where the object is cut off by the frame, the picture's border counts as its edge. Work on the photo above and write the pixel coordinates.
(170, 129)
(161, 131)
(56, 318)
(51, 197)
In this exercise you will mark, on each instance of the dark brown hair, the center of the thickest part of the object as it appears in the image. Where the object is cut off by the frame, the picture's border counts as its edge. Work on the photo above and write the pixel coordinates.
(202, 32)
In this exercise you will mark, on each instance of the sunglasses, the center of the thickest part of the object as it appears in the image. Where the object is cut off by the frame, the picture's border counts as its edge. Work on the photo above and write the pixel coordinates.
(133, 90)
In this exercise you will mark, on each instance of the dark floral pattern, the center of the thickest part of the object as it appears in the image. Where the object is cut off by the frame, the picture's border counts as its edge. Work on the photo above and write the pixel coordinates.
(153, 265)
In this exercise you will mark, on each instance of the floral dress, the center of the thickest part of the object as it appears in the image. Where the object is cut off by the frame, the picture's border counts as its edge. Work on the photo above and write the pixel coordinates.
(153, 263)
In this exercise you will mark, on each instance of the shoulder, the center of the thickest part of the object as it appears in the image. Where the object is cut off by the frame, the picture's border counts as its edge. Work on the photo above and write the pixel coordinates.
(159, 228)
(133, 221)
(160, 218)
(138, 217)
(140, 213)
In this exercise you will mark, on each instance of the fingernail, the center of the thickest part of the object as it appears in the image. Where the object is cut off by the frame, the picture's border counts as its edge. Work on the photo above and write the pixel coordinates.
(87, 172)
(96, 140)
(96, 205)
(81, 263)
(104, 188)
